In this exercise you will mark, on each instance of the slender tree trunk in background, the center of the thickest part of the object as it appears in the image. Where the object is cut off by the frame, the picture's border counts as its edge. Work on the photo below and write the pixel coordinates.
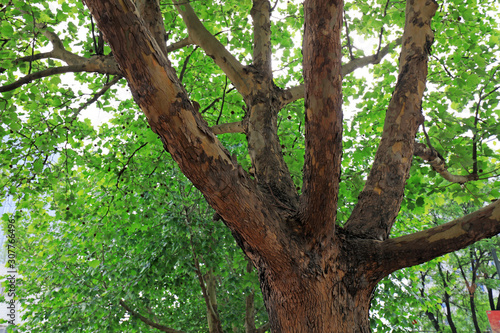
(446, 299)
(473, 311)
(214, 323)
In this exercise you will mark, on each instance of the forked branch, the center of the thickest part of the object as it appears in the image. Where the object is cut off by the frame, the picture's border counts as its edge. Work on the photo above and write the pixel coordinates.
(295, 93)
(184, 133)
(323, 116)
(438, 164)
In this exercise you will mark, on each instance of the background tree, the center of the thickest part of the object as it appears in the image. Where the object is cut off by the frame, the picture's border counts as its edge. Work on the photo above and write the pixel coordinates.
(318, 257)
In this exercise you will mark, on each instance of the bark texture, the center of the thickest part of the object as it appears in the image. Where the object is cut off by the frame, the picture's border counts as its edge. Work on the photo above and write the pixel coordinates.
(380, 200)
(323, 113)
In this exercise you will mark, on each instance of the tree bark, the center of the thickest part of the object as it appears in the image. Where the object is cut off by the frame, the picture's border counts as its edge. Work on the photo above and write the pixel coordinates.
(380, 200)
(323, 116)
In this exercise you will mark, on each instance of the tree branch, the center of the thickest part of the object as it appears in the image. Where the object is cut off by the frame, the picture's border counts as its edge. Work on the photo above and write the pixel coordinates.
(236, 127)
(262, 36)
(323, 117)
(435, 159)
(58, 51)
(151, 14)
(420, 247)
(380, 201)
(179, 45)
(213, 48)
(295, 93)
(208, 296)
(96, 64)
(187, 137)
(97, 95)
(148, 321)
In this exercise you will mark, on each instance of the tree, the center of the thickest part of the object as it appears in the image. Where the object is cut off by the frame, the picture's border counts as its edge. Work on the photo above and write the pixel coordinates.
(317, 270)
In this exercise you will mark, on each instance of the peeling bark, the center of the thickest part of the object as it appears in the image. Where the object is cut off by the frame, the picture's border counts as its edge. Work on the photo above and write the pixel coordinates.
(323, 116)
(420, 247)
(380, 200)
(186, 136)
(262, 36)
(314, 278)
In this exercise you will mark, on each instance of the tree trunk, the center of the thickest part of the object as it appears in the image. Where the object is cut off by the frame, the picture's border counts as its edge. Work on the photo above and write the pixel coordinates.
(317, 304)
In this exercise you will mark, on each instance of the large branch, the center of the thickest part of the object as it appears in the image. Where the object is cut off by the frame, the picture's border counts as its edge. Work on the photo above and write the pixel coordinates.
(184, 133)
(150, 13)
(262, 52)
(213, 48)
(58, 51)
(264, 146)
(420, 247)
(146, 320)
(379, 202)
(323, 116)
(297, 92)
(96, 64)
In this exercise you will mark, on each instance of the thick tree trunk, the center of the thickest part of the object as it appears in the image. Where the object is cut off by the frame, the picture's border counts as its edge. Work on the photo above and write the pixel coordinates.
(334, 301)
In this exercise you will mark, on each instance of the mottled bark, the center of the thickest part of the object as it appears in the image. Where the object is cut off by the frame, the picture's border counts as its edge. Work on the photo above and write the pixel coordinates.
(150, 13)
(323, 116)
(264, 145)
(380, 200)
(420, 247)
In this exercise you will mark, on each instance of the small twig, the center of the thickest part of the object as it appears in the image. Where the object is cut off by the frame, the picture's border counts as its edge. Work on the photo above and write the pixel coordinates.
(222, 104)
(349, 46)
(96, 95)
(382, 29)
(128, 161)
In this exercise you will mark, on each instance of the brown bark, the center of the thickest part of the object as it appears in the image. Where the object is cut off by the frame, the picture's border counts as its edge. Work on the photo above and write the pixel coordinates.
(420, 247)
(380, 200)
(323, 113)
(264, 146)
